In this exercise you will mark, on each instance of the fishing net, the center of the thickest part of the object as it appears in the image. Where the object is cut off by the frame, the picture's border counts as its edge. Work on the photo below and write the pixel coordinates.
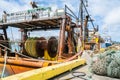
(107, 63)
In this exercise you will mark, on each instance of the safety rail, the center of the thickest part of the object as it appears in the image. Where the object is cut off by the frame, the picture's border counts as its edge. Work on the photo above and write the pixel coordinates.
(70, 13)
(31, 14)
(38, 13)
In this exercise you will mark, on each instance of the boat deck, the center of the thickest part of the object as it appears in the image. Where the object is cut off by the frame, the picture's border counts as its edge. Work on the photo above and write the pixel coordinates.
(37, 20)
(47, 22)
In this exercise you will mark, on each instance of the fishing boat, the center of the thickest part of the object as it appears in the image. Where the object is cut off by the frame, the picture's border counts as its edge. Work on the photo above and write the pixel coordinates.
(42, 55)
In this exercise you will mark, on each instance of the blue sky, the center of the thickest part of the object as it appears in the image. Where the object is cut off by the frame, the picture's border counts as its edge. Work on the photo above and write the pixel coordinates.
(106, 13)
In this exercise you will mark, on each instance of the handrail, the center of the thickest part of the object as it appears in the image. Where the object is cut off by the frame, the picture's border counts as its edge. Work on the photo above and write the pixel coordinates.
(73, 14)
(28, 15)
(38, 13)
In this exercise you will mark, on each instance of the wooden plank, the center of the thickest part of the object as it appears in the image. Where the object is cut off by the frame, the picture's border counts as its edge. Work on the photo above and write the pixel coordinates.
(17, 25)
(51, 22)
(42, 23)
(43, 28)
(27, 24)
(48, 23)
(33, 20)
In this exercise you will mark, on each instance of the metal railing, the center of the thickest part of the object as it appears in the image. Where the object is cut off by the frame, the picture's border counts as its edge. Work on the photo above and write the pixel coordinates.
(39, 13)
(36, 13)
(70, 13)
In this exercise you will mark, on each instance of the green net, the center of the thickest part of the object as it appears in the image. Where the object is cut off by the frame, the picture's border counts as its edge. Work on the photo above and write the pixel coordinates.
(39, 9)
(107, 64)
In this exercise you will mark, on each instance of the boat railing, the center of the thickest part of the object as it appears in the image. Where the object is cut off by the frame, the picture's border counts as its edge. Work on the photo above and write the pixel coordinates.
(31, 14)
(70, 13)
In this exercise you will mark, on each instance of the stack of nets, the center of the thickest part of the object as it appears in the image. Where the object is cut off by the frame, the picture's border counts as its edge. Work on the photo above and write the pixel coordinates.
(113, 47)
(107, 64)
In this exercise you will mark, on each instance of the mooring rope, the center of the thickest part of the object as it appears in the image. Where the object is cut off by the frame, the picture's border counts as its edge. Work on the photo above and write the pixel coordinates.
(5, 61)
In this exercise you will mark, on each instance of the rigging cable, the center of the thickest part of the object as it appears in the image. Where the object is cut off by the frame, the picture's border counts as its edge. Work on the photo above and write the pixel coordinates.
(89, 16)
(13, 40)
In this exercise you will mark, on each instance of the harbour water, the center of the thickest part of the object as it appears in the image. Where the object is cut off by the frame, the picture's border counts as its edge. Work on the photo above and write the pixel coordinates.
(14, 47)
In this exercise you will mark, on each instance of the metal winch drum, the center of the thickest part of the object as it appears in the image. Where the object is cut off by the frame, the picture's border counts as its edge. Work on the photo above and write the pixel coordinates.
(35, 47)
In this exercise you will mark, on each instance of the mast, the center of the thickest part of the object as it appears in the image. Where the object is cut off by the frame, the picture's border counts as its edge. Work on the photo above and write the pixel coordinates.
(84, 28)
(81, 22)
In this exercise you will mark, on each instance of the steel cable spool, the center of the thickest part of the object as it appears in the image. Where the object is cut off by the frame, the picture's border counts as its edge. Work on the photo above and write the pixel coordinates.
(52, 47)
(29, 47)
(35, 46)
(41, 46)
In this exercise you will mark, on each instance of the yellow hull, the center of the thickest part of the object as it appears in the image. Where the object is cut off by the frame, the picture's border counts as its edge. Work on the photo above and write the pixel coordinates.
(47, 72)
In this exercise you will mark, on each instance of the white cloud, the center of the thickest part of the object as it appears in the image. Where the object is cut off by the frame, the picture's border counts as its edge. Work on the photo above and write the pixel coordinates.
(113, 17)
(103, 7)
(107, 10)
(12, 6)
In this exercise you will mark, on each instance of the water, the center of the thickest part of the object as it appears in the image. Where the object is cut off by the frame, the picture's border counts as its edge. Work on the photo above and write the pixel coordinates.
(15, 47)
(103, 45)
